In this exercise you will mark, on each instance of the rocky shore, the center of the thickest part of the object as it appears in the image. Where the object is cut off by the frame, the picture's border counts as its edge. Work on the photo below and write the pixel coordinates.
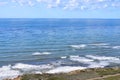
(87, 74)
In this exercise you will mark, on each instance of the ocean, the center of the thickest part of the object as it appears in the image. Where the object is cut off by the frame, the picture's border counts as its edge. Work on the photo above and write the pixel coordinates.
(57, 45)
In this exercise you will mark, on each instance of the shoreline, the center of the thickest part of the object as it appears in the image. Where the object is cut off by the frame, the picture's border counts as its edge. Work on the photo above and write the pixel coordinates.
(85, 74)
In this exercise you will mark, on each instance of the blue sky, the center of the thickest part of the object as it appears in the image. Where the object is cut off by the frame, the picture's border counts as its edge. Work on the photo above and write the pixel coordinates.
(60, 9)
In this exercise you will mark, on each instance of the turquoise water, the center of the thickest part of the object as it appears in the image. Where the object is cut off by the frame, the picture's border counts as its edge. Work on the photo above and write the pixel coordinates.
(60, 42)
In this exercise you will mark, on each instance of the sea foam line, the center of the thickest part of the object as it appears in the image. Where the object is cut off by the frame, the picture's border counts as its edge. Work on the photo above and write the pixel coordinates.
(63, 57)
(116, 47)
(80, 59)
(100, 64)
(102, 57)
(41, 53)
(65, 69)
(20, 68)
(7, 72)
(25, 67)
(99, 44)
(81, 46)
(10, 72)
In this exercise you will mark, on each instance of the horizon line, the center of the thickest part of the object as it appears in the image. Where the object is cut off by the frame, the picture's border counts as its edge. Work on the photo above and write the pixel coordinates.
(59, 18)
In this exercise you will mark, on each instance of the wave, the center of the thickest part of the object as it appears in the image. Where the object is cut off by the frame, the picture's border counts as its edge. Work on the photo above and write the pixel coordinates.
(80, 59)
(11, 72)
(41, 53)
(65, 69)
(7, 72)
(27, 67)
(96, 45)
(102, 57)
(99, 44)
(90, 61)
(95, 61)
(116, 47)
(63, 57)
(81, 46)
(100, 64)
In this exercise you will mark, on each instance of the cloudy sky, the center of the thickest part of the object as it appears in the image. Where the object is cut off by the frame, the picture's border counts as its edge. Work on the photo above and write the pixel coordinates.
(59, 8)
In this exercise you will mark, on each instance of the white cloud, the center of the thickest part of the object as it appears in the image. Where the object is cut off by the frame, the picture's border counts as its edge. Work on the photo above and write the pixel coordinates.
(70, 4)
(30, 3)
(3, 3)
(50, 3)
(24, 2)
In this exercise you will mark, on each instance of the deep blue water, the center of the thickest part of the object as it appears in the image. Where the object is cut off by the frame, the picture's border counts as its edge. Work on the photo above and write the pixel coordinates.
(22, 39)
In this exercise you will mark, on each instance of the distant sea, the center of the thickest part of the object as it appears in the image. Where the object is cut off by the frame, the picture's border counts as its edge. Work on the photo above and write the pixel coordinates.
(57, 45)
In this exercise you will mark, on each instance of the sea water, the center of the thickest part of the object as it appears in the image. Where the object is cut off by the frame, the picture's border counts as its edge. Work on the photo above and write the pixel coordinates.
(57, 45)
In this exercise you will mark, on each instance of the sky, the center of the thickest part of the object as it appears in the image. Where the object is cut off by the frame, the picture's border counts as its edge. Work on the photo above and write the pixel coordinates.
(60, 9)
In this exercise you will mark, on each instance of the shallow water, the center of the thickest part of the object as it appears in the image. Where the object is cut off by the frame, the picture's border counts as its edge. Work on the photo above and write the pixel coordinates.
(27, 44)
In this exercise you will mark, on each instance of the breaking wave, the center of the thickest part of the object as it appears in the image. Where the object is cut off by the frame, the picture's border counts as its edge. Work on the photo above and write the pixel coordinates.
(65, 69)
(102, 57)
(27, 67)
(63, 57)
(95, 45)
(100, 64)
(80, 59)
(99, 44)
(116, 47)
(90, 61)
(7, 72)
(95, 61)
(41, 53)
(81, 46)
(11, 72)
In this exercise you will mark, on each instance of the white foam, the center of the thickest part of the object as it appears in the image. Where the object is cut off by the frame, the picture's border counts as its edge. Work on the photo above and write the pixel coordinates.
(80, 59)
(63, 57)
(105, 46)
(81, 46)
(41, 53)
(90, 60)
(74, 56)
(99, 44)
(102, 57)
(27, 67)
(64, 69)
(116, 47)
(11, 72)
(100, 64)
(7, 73)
